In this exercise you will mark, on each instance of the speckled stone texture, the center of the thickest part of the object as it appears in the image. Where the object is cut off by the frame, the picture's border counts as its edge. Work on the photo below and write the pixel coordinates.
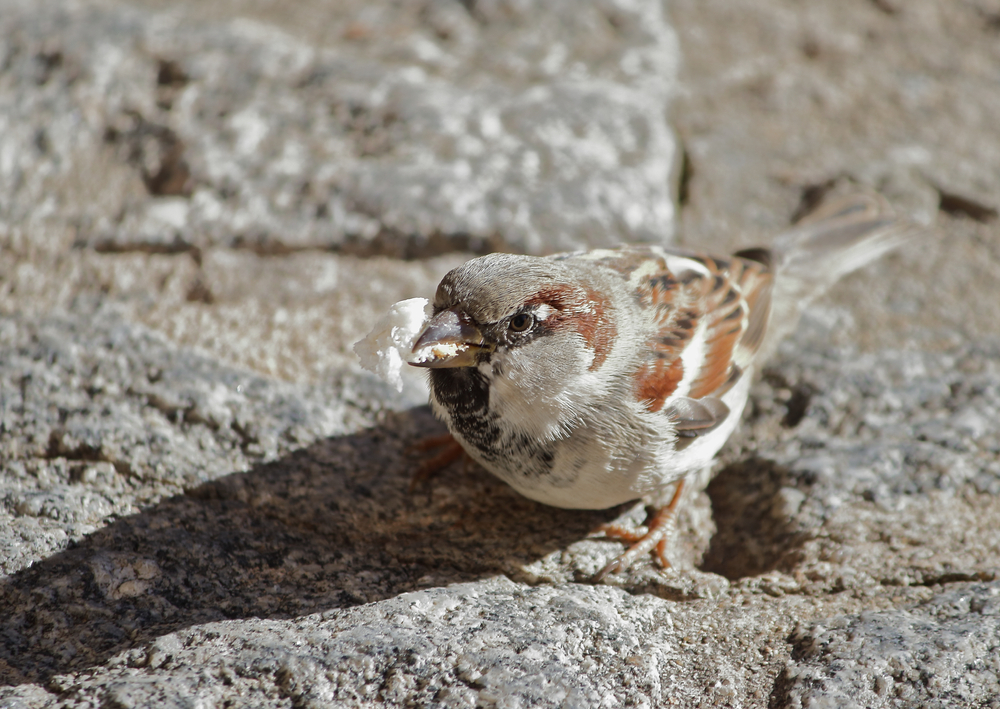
(205, 502)
(941, 653)
(413, 127)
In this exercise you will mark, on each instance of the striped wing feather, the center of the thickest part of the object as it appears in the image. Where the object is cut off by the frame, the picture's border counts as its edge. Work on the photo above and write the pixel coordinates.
(720, 306)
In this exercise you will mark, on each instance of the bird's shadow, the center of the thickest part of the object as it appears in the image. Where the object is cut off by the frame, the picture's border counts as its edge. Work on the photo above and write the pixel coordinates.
(329, 526)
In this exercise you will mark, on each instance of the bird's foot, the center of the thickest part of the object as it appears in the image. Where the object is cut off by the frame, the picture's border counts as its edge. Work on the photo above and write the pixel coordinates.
(451, 450)
(654, 537)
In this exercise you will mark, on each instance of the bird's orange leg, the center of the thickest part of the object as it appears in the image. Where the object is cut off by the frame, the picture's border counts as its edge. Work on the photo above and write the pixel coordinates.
(655, 537)
(430, 443)
(623, 534)
(452, 451)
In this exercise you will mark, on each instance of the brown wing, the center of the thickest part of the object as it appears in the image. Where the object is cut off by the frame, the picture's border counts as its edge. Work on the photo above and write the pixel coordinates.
(738, 308)
(722, 304)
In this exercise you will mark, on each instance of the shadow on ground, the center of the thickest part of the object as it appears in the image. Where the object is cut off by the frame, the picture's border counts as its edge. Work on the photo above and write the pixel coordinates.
(329, 526)
(754, 530)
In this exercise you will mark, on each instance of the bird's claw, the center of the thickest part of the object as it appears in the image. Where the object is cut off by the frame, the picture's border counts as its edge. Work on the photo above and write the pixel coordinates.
(654, 539)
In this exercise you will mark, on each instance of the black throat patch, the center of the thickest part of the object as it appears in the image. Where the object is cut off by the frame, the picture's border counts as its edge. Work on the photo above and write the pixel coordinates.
(465, 393)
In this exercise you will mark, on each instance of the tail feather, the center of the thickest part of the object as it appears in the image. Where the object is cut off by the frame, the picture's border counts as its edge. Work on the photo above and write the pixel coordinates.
(841, 236)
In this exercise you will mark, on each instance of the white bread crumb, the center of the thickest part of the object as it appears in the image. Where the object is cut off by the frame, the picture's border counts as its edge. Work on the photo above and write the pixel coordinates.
(390, 343)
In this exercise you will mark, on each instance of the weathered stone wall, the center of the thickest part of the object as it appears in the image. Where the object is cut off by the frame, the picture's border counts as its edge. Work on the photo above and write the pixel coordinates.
(204, 501)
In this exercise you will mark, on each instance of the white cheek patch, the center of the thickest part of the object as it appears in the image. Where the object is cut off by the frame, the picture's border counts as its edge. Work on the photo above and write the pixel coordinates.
(533, 391)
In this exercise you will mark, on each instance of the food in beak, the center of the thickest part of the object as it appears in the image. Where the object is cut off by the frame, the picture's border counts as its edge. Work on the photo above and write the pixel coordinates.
(409, 334)
(449, 340)
(391, 341)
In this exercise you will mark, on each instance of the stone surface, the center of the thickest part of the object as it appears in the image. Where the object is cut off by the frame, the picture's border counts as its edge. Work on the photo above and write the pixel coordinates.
(100, 417)
(942, 653)
(783, 102)
(414, 128)
(491, 643)
(205, 502)
(864, 471)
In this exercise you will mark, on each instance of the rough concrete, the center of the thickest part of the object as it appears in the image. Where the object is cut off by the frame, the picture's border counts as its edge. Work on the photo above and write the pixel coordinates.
(782, 102)
(414, 128)
(205, 502)
(942, 653)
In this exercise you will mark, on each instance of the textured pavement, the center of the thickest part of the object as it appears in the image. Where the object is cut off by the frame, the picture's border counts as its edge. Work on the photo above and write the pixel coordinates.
(205, 502)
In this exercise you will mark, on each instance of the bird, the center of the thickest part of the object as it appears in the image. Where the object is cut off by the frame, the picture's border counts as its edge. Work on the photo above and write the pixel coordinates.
(588, 379)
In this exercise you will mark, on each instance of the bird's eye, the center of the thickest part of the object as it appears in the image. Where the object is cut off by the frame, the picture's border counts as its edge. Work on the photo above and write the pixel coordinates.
(520, 322)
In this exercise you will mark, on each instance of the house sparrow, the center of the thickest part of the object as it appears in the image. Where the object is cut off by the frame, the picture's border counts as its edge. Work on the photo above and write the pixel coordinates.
(589, 379)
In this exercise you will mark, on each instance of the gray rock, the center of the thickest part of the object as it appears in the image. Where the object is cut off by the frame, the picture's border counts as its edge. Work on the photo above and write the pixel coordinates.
(786, 104)
(203, 502)
(101, 416)
(437, 127)
(885, 425)
(834, 480)
(942, 653)
(489, 643)
(148, 488)
(328, 527)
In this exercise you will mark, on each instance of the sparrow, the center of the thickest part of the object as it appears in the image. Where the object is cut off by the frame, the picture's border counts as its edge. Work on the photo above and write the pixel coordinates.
(588, 379)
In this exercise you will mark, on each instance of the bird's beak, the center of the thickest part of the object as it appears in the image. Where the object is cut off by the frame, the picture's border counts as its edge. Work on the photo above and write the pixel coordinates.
(449, 340)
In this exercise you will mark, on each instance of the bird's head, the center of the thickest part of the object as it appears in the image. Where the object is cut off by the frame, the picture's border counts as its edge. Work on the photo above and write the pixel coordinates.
(517, 317)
